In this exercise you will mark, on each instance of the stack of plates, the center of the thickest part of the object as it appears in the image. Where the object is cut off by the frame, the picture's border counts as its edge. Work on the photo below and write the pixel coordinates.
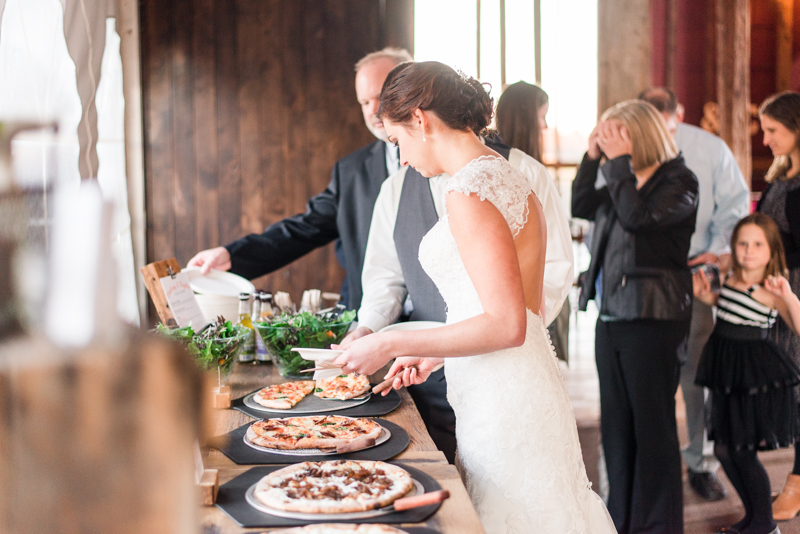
(217, 292)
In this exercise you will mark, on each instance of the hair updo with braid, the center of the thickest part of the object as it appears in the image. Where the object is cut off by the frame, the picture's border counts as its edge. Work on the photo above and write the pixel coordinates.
(459, 101)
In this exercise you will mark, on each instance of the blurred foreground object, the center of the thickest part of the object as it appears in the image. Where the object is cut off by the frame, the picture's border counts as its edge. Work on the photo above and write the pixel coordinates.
(97, 420)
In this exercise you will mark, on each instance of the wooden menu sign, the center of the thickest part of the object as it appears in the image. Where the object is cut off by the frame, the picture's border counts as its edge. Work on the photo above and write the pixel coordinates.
(172, 296)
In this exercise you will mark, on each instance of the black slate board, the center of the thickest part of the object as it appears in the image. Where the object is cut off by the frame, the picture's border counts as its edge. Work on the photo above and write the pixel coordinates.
(375, 406)
(408, 530)
(233, 446)
(231, 500)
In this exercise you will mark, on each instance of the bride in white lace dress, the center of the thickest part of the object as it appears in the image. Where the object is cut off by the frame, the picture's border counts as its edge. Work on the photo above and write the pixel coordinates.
(517, 438)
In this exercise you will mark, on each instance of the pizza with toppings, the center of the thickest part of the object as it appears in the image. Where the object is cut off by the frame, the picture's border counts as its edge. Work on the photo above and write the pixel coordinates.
(340, 528)
(342, 387)
(339, 486)
(284, 396)
(312, 432)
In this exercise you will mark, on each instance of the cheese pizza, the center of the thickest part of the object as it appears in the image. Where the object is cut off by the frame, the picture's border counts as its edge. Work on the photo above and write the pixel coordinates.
(311, 432)
(339, 486)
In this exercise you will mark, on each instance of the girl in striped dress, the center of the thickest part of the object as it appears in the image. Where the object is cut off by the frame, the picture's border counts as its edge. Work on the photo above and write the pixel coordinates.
(750, 378)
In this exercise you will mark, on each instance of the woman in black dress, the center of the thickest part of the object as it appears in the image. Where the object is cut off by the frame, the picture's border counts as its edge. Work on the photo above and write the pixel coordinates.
(780, 121)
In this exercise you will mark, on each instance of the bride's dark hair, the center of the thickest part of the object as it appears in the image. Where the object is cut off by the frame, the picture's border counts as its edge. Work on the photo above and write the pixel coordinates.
(460, 101)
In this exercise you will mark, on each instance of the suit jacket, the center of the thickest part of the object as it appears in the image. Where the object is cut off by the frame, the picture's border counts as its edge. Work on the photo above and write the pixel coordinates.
(342, 212)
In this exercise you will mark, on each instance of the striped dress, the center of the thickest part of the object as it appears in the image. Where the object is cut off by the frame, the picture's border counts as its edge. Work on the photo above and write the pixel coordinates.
(750, 378)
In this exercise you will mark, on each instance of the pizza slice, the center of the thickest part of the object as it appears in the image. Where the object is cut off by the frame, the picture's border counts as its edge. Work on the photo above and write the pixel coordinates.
(284, 396)
(342, 387)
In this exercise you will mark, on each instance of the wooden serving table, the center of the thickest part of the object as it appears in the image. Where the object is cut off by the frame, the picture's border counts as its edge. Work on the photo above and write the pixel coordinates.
(456, 515)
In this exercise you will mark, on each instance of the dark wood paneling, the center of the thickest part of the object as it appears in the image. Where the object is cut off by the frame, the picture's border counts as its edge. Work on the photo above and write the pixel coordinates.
(227, 82)
(248, 104)
(185, 171)
(157, 108)
(205, 123)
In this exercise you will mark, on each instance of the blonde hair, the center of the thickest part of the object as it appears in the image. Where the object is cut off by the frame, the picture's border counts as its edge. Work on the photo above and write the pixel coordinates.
(652, 144)
(785, 108)
(397, 55)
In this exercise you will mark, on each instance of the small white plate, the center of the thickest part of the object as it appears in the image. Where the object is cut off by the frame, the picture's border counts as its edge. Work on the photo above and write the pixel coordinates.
(218, 283)
(412, 325)
(317, 355)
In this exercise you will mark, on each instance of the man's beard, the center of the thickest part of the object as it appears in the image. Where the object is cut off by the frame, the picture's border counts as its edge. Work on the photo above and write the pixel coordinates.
(380, 133)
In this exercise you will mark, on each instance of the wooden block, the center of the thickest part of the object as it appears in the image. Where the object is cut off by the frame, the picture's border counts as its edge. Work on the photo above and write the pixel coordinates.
(152, 274)
(222, 397)
(209, 486)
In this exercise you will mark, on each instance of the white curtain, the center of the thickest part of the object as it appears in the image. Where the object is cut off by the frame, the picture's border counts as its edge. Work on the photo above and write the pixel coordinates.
(60, 61)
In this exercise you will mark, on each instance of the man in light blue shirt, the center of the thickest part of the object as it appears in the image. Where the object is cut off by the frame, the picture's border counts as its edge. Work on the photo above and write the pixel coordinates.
(724, 199)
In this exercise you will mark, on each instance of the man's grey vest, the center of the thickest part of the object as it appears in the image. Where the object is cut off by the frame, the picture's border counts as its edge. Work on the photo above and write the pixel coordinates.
(416, 215)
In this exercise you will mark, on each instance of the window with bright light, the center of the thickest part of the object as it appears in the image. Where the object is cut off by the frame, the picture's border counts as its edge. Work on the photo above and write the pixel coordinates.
(467, 34)
(39, 85)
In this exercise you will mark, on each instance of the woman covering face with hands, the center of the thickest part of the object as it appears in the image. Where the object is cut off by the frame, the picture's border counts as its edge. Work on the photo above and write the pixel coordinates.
(644, 208)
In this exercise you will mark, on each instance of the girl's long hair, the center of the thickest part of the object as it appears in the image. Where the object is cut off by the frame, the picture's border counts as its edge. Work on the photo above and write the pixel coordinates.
(777, 258)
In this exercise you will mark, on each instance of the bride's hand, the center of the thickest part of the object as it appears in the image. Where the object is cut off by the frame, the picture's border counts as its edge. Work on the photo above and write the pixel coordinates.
(367, 354)
(412, 371)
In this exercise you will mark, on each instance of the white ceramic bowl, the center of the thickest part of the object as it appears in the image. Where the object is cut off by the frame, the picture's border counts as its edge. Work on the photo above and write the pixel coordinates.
(214, 305)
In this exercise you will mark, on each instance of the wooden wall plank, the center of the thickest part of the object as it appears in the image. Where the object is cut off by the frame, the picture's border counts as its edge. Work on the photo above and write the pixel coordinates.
(733, 79)
(205, 121)
(623, 67)
(227, 83)
(400, 24)
(157, 81)
(185, 179)
(276, 125)
(783, 74)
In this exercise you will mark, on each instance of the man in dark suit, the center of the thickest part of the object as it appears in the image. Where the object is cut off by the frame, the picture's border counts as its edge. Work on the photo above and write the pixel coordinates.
(343, 212)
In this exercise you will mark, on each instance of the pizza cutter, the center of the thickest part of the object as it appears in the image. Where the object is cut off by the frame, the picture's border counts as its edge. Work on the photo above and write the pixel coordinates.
(417, 501)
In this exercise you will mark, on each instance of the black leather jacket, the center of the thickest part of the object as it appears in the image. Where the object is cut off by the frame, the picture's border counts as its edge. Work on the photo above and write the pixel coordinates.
(641, 238)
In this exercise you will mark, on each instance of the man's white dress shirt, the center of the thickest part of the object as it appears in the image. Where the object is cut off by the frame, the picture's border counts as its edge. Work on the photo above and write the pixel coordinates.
(382, 277)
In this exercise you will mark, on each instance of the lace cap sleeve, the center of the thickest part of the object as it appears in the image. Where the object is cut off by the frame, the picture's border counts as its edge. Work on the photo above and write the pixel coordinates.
(493, 179)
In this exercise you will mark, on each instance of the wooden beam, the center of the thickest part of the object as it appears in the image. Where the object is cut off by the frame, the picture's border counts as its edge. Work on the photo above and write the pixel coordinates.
(502, 44)
(537, 39)
(783, 38)
(623, 66)
(478, 38)
(733, 79)
(670, 43)
(128, 30)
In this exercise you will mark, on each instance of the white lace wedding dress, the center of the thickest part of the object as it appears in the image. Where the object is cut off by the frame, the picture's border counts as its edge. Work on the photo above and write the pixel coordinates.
(517, 439)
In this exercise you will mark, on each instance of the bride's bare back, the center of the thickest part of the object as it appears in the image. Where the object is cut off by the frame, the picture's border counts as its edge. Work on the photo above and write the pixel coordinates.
(531, 243)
